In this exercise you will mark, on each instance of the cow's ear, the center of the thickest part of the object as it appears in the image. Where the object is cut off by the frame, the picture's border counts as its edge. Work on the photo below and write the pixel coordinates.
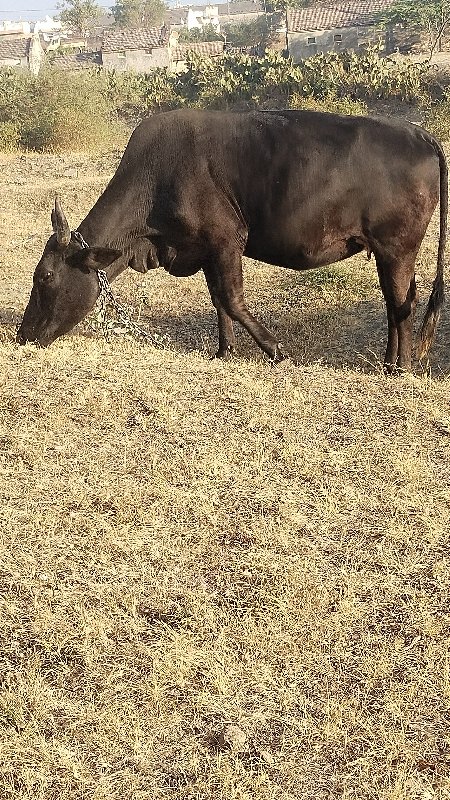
(95, 258)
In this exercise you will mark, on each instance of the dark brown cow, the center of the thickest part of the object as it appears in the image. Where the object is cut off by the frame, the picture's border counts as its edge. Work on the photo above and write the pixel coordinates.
(197, 190)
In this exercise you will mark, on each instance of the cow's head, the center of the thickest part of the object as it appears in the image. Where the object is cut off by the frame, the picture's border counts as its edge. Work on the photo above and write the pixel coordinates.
(65, 284)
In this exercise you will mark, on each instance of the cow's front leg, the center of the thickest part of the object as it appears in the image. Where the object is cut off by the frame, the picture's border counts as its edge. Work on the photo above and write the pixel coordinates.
(227, 339)
(225, 278)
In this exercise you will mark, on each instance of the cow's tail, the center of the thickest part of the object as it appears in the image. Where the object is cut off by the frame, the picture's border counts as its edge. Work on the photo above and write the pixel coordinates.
(436, 300)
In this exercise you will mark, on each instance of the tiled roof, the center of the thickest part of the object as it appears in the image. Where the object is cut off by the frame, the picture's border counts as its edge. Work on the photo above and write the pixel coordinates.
(175, 16)
(208, 49)
(14, 48)
(240, 7)
(133, 39)
(78, 61)
(340, 15)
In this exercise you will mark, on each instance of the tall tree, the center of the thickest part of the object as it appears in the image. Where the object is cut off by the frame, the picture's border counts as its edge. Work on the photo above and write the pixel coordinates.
(139, 13)
(206, 34)
(423, 16)
(79, 14)
(260, 32)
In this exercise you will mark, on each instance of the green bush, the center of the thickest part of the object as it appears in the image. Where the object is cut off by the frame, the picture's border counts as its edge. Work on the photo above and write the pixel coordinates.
(272, 79)
(436, 117)
(135, 95)
(57, 110)
(91, 110)
(330, 103)
(9, 136)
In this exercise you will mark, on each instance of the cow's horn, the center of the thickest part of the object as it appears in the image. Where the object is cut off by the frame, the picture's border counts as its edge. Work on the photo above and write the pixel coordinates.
(60, 224)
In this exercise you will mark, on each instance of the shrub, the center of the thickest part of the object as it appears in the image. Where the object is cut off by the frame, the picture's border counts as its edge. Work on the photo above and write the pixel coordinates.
(9, 136)
(61, 110)
(77, 111)
(272, 79)
(57, 110)
(135, 95)
(331, 103)
(436, 117)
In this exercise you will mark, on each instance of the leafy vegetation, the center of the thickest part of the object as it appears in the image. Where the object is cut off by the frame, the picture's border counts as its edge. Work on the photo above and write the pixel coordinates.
(138, 13)
(56, 111)
(79, 14)
(40, 113)
(424, 16)
(272, 79)
(206, 34)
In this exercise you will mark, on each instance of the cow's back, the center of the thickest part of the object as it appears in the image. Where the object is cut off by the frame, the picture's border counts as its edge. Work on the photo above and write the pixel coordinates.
(301, 182)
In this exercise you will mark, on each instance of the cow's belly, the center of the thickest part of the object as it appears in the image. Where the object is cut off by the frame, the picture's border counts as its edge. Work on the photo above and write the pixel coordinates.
(302, 240)
(306, 256)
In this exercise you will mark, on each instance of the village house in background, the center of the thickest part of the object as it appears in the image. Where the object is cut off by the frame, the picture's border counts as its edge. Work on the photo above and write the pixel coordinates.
(25, 52)
(341, 26)
(139, 50)
(321, 27)
(14, 29)
(217, 15)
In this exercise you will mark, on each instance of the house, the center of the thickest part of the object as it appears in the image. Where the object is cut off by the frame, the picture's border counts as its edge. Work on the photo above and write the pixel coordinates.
(47, 26)
(176, 18)
(178, 52)
(231, 13)
(342, 26)
(78, 61)
(139, 50)
(26, 53)
(237, 12)
(15, 29)
(199, 16)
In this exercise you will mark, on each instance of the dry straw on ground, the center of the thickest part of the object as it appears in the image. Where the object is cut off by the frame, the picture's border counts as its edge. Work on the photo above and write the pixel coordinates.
(220, 582)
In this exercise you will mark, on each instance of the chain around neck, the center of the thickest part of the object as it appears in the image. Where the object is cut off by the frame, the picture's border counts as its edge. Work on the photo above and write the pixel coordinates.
(80, 239)
(107, 296)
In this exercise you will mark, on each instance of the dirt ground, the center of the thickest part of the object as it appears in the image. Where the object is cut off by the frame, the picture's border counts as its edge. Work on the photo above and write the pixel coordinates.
(218, 581)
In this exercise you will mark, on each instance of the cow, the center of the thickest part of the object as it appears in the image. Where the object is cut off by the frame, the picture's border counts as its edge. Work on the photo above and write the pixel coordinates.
(197, 190)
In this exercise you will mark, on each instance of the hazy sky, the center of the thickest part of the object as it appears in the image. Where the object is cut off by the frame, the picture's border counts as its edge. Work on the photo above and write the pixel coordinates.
(26, 9)
(32, 9)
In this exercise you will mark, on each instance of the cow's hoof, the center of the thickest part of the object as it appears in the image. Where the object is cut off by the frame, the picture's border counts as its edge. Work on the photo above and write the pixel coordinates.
(224, 353)
(278, 355)
(394, 371)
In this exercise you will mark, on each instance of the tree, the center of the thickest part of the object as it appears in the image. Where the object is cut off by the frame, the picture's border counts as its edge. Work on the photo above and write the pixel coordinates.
(260, 32)
(206, 34)
(281, 6)
(79, 14)
(139, 13)
(423, 16)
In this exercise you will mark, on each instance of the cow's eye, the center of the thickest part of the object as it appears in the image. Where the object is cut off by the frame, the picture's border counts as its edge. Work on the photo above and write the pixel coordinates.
(47, 276)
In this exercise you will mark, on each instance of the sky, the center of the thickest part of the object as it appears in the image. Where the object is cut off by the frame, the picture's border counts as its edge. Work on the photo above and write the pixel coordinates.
(26, 9)
(30, 9)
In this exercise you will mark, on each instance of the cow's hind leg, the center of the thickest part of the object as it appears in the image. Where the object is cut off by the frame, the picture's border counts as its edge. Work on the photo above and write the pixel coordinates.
(398, 284)
(225, 283)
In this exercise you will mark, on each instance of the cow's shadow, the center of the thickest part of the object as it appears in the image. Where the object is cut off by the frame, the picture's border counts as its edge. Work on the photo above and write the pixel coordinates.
(342, 336)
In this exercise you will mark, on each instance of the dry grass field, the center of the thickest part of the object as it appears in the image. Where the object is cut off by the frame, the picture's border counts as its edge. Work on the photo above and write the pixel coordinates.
(219, 581)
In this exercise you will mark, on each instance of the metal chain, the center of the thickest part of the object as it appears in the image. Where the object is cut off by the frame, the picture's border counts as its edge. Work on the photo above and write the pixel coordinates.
(79, 238)
(107, 296)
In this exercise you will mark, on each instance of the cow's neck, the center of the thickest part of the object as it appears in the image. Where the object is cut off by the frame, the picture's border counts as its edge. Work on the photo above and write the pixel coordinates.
(114, 221)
